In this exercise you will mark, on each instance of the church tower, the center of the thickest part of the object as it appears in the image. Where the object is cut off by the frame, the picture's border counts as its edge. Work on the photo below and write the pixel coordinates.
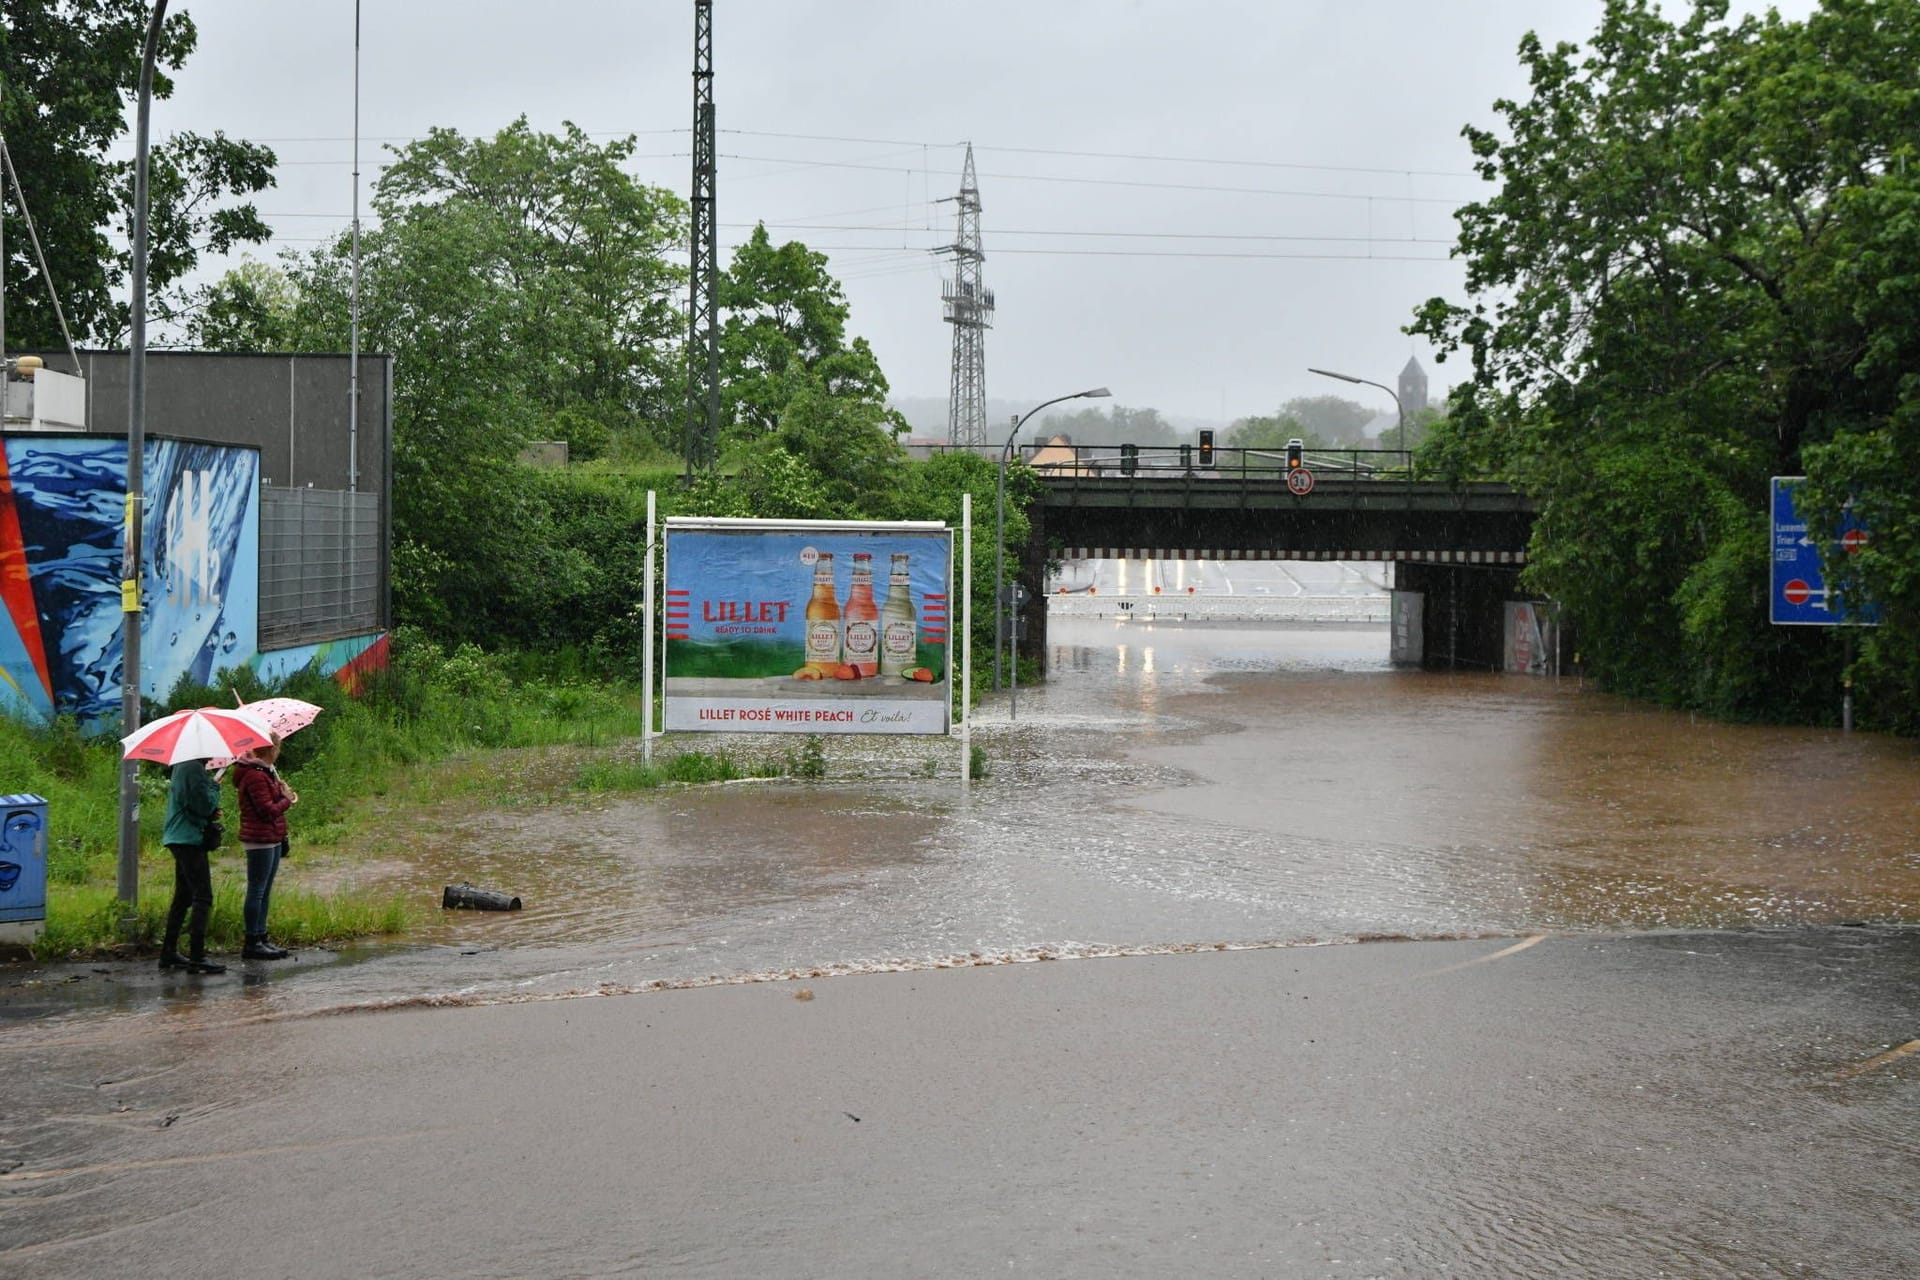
(1413, 387)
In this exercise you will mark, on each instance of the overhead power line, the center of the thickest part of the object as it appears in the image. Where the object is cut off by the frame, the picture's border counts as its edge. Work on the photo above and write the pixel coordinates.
(1116, 182)
(1120, 235)
(1240, 162)
(1162, 253)
(1247, 162)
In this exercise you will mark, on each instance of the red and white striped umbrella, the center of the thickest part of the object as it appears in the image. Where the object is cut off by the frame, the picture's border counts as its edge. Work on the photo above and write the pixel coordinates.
(197, 734)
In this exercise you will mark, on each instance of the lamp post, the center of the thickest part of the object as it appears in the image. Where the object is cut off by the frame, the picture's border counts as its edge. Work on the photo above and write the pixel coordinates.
(129, 850)
(1000, 512)
(1397, 406)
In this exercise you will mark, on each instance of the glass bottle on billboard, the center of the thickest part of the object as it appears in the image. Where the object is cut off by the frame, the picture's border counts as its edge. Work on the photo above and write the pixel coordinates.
(860, 621)
(823, 620)
(899, 635)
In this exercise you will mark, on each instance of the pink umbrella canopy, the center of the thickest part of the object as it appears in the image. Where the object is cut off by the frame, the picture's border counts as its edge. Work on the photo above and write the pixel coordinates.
(196, 734)
(285, 715)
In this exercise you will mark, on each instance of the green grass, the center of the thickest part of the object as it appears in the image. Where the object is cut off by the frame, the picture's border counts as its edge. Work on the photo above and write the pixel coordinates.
(86, 918)
(691, 766)
(428, 730)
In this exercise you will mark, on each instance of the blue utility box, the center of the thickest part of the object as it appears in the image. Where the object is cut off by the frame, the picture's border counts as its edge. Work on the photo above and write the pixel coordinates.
(23, 867)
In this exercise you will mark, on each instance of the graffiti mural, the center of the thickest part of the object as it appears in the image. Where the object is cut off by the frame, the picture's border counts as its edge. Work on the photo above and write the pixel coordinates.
(61, 517)
(348, 661)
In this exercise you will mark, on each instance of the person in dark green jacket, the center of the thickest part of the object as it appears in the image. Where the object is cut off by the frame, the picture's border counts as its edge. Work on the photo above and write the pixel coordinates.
(193, 802)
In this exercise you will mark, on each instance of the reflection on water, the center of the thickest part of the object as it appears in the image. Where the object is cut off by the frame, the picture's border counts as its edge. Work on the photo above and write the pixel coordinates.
(1169, 787)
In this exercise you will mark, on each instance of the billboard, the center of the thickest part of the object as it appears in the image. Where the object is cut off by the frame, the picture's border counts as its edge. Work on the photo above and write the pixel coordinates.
(807, 626)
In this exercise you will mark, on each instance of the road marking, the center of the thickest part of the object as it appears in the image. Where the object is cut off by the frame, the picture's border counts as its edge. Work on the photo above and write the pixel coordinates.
(1878, 1060)
(1515, 949)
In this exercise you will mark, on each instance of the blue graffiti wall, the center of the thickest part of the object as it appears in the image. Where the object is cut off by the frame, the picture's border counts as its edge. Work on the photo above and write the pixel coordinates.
(62, 510)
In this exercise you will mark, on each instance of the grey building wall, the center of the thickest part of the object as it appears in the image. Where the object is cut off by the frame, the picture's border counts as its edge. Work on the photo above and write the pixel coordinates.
(318, 581)
(292, 407)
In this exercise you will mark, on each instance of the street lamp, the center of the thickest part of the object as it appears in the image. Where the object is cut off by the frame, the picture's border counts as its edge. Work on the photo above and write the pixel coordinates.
(1398, 407)
(1000, 512)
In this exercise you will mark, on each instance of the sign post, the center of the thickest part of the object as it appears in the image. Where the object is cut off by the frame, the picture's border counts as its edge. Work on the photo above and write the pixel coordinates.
(1016, 597)
(965, 708)
(1799, 594)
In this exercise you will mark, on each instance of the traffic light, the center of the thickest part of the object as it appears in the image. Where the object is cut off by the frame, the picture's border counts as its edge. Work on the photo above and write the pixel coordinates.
(1129, 458)
(1206, 448)
(1294, 448)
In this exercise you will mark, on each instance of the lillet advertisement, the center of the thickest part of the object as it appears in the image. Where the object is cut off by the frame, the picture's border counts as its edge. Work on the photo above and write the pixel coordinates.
(807, 627)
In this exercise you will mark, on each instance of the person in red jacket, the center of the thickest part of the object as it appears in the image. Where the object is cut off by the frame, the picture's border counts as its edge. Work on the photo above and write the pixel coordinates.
(264, 801)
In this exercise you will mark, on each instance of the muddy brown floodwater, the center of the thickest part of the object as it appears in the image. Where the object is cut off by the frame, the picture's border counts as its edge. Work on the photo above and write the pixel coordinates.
(1663, 1052)
(1169, 788)
(1179, 786)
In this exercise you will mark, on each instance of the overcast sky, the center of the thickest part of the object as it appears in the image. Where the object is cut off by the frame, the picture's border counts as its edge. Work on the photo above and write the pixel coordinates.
(1190, 202)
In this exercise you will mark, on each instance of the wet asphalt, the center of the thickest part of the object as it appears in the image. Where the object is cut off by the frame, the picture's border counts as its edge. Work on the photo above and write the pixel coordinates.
(1666, 1104)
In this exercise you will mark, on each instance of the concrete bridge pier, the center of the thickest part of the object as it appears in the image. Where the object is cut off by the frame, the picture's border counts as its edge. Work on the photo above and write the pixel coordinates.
(1030, 571)
(1463, 612)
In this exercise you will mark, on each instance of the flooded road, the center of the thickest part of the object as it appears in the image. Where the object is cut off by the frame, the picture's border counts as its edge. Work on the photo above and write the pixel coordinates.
(1201, 785)
(1170, 787)
(1667, 1022)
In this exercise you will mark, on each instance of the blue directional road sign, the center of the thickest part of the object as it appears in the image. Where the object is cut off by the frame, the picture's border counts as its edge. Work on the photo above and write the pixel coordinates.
(1800, 595)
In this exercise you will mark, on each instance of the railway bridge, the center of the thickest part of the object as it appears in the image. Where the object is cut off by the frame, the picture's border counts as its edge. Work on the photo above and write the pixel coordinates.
(1458, 546)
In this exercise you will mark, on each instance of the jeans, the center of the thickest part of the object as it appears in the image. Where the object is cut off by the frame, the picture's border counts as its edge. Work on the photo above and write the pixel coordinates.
(192, 887)
(262, 866)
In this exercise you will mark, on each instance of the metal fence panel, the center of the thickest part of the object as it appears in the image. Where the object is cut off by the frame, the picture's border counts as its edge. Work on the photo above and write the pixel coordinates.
(319, 565)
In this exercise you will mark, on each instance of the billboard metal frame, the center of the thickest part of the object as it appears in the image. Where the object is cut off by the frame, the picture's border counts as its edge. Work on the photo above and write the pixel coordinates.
(733, 656)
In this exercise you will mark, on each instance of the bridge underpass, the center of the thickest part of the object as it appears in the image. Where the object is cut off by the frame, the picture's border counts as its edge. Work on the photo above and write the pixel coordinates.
(1460, 548)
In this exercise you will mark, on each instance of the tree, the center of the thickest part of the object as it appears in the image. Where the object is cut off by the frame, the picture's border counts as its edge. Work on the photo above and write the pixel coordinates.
(253, 307)
(522, 281)
(579, 247)
(791, 377)
(1332, 420)
(1696, 272)
(69, 70)
(785, 328)
(1269, 432)
(933, 490)
(1119, 425)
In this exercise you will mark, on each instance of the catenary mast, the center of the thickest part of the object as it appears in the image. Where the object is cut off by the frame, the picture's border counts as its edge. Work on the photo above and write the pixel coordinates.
(703, 289)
